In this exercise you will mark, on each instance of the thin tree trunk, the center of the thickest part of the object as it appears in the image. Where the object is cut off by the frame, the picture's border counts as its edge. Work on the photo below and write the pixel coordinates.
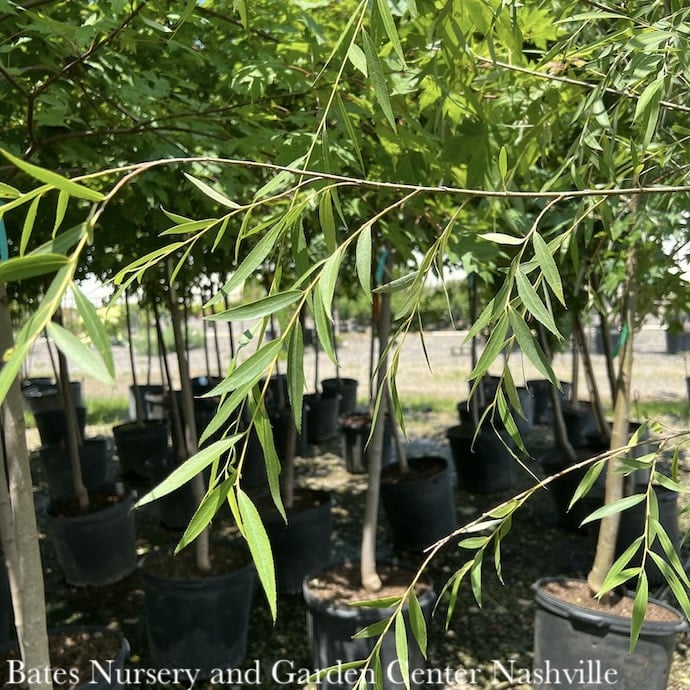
(191, 440)
(18, 529)
(400, 451)
(615, 481)
(605, 328)
(138, 406)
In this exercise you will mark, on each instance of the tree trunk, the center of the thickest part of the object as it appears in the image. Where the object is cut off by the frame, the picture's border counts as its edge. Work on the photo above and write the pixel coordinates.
(138, 406)
(597, 407)
(615, 481)
(18, 528)
(190, 433)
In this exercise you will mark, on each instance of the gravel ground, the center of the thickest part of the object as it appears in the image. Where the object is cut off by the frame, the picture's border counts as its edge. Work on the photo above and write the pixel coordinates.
(465, 652)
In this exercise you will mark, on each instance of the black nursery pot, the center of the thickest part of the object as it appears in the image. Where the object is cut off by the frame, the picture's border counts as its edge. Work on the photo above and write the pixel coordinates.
(201, 622)
(95, 548)
(419, 505)
(52, 425)
(322, 417)
(575, 647)
(346, 389)
(330, 629)
(354, 433)
(57, 468)
(136, 443)
(484, 463)
(303, 544)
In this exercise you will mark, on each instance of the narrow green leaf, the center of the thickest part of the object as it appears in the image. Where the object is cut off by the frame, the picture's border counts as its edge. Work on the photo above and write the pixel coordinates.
(95, 328)
(295, 367)
(391, 31)
(401, 650)
(28, 225)
(502, 238)
(616, 507)
(356, 56)
(8, 192)
(587, 482)
(53, 179)
(329, 279)
(476, 577)
(639, 608)
(23, 267)
(533, 302)
(324, 329)
(349, 128)
(264, 430)
(191, 467)
(259, 308)
(503, 163)
(209, 506)
(380, 603)
(212, 193)
(260, 548)
(226, 408)
(548, 266)
(76, 351)
(418, 624)
(372, 630)
(252, 261)
(473, 543)
(363, 259)
(191, 226)
(327, 220)
(530, 347)
(378, 79)
(60, 210)
(493, 346)
(399, 284)
(252, 368)
(62, 243)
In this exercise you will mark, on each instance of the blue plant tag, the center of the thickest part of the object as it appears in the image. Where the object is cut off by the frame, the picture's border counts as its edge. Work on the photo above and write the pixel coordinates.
(4, 248)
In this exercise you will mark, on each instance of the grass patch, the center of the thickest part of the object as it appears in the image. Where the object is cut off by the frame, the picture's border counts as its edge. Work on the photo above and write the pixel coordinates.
(101, 411)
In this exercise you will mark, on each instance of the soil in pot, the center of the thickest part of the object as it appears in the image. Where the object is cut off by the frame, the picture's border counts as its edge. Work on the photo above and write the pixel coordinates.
(332, 621)
(303, 544)
(97, 547)
(581, 642)
(198, 620)
(84, 657)
(419, 504)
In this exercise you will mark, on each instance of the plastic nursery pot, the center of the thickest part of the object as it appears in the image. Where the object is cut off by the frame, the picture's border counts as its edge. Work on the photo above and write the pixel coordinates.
(483, 462)
(419, 505)
(136, 443)
(197, 622)
(303, 543)
(322, 417)
(95, 548)
(52, 425)
(346, 389)
(577, 647)
(57, 468)
(354, 433)
(332, 624)
(141, 391)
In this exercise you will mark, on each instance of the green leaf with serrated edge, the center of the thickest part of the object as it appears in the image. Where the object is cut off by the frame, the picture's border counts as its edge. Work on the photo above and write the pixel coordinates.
(363, 259)
(401, 283)
(95, 328)
(203, 515)
(530, 347)
(251, 263)
(328, 280)
(324, 329)
(473, 543)
(356, 56)
(264, 430)
(417, 623)
(188, 469)
(389, 27)
(322, 672)
(31, 265)
(76, 351)
(252, 368)
(639, 608)
(28, 225)
(372, 630)
(377, 78)
(295, 370)
(401, 650)
(53, 179)
(259, 547)
(615, 507)
(60, 210)
(587, 482)
(502, 238)
(493, 347)
(327, 220)
(533, 303)
(548, 267)
(257, 309)
(212, 193)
